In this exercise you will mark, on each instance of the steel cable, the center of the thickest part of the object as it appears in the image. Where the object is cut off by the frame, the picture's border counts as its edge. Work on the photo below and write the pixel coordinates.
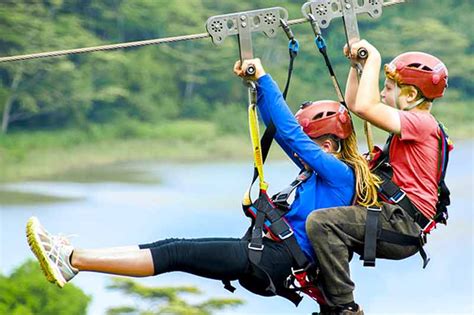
(116, 46)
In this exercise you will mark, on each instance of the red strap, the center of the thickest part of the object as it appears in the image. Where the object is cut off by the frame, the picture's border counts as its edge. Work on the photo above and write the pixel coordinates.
(310, 288)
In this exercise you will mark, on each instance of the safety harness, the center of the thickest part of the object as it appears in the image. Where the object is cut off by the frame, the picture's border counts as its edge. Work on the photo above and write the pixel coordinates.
(267, 214)
(392, 193)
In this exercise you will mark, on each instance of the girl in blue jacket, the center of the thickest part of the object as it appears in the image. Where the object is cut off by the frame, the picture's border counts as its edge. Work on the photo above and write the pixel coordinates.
(320, 139)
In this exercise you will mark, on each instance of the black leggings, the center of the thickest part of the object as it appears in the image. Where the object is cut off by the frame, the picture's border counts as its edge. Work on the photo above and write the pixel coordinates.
(223, 259)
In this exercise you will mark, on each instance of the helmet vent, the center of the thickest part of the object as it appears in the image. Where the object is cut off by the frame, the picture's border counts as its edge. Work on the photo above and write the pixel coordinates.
(318, 116)
(420, 66)
(323, 114)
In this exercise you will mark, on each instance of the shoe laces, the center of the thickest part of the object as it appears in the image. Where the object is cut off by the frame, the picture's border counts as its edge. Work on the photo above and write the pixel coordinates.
(57, 243)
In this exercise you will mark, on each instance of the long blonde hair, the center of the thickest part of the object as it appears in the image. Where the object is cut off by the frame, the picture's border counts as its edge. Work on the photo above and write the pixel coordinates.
(366, 182)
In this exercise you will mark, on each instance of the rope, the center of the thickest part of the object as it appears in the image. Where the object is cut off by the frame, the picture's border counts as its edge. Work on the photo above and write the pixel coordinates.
(117, 46)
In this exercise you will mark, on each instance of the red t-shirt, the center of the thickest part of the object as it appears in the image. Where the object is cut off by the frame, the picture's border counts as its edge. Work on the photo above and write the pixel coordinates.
(414, 156)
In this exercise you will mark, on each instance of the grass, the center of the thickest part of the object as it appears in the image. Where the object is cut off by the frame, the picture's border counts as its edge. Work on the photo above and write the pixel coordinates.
(70, 154)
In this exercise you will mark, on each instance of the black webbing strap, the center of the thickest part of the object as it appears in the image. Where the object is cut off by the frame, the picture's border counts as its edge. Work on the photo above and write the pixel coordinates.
(444, 199)
(371, 231)
(406, 240)
(281, 199)
(228, 286)
(265, 210)
(256, 241)
(374, 233)
(321, 44)
(392, 193)
(298, 255)
(279, 228)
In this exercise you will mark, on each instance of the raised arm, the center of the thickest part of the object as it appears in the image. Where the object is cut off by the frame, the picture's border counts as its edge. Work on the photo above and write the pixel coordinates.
(352, 85)
(290, 134)
(264, 110)
(368, 103)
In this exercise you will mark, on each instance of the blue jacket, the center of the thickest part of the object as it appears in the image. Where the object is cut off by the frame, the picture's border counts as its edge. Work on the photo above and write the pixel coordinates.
(332, 183)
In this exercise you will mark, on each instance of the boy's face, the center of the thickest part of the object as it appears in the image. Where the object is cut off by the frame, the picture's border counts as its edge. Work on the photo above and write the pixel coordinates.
(390, 93)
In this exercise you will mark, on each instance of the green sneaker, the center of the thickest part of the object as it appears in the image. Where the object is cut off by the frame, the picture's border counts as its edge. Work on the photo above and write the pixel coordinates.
(53, 253)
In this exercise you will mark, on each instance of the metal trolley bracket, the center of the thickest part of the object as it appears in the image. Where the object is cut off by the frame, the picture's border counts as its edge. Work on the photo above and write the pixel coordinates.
(321, 12)
(324, 11)
(243, 24)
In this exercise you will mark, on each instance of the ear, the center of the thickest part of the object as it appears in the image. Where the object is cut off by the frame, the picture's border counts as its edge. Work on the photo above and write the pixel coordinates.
(327, 146)
(411, 93)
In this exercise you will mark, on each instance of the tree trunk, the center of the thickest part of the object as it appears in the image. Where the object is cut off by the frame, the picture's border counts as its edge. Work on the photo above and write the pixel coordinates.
(8, 104)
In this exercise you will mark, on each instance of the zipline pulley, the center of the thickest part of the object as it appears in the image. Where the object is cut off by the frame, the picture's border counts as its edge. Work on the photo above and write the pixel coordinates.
(243, 24)
(321, 12)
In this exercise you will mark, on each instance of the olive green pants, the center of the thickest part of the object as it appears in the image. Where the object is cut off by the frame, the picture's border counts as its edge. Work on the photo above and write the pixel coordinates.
(336, 233)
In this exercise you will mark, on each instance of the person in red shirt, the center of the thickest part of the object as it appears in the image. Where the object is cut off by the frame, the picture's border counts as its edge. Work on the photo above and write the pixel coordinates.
(413, 81)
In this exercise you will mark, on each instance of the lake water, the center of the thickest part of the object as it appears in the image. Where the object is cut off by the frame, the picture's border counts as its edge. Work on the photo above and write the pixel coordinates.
(202, 200)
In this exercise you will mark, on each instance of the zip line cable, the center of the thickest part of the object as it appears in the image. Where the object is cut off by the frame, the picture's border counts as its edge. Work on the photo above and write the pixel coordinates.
(156, 41)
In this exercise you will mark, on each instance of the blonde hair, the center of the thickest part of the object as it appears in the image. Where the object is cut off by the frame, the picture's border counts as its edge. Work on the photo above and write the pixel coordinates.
(366, 182)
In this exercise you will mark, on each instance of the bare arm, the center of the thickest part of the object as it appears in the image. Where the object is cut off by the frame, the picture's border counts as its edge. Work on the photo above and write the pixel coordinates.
(368, 105)
(352, 85)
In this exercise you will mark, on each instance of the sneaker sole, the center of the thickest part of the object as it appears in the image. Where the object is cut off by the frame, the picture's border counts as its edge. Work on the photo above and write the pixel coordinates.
(34, 242)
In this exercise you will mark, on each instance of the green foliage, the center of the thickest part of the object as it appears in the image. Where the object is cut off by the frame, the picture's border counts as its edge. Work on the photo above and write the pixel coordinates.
(166, 300)
(183, 96)
(26, 291)
(191, 79)
(231, 118)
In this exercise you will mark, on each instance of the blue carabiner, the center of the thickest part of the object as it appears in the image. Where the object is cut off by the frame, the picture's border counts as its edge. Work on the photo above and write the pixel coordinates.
(320, 42)
(294, 46)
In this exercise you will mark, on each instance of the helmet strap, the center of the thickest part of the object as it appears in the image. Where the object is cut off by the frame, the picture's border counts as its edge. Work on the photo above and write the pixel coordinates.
(410, 107)
(395, 96)
(418, 102)
(339, 146)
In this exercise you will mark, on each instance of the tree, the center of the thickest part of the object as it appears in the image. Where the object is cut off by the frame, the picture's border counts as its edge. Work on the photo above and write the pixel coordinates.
(48, 89)
(27, 292)
(166, 300)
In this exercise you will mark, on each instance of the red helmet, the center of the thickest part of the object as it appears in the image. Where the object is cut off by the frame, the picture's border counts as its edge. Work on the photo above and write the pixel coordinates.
(426, 72)
(324, 117)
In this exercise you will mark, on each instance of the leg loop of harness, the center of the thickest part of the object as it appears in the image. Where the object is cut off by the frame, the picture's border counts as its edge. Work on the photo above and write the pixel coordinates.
(373, 233)
(256, 241)
(268, 218)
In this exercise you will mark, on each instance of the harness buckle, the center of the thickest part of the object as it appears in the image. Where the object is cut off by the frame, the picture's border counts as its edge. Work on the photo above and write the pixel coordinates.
(423, 238)
(296, 271)
(300, 278)
(375, 209)
(286, 234)
(399, 195)
(256, 247)
(281, 197)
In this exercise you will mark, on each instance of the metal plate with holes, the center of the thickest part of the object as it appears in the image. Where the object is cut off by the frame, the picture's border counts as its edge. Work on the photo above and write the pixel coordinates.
(264, 20)
(326, 10)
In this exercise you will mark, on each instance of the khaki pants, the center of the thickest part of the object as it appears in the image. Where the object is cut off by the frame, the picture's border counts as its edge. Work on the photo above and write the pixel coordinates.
(336, 233)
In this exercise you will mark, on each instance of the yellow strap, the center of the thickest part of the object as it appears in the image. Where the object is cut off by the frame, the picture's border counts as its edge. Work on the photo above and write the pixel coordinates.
(255, 138)
(370, 139)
